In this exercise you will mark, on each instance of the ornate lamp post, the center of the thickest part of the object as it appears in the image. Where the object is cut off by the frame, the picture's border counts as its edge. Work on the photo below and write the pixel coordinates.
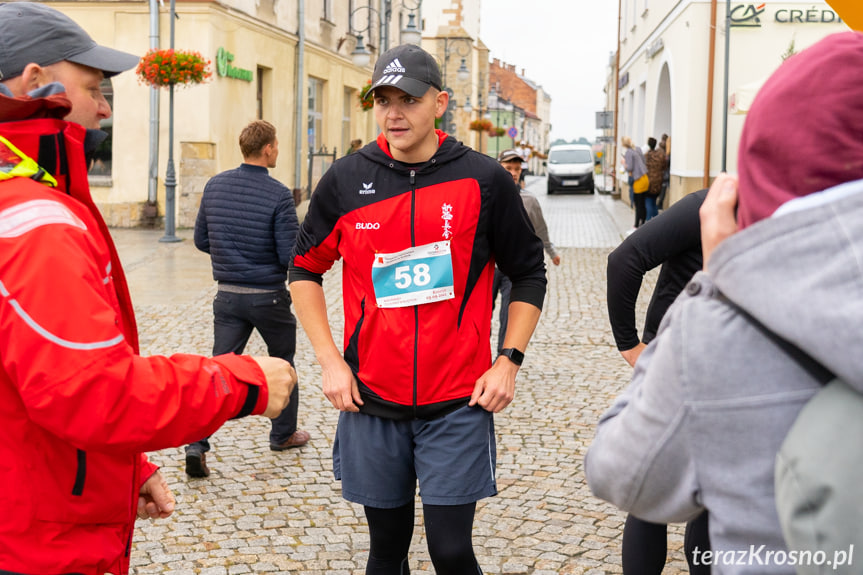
(410, 34)
(170, 174)
(164, 69)
(461, 47)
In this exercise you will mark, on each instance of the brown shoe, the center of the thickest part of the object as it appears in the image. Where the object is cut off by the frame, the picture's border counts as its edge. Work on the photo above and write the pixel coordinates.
(297, 439)
(196, 464)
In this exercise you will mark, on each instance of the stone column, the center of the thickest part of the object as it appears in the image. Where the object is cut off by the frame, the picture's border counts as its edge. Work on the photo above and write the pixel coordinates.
(197, 166)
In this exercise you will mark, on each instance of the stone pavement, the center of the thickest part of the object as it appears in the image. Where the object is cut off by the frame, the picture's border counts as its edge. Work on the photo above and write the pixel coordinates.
(268, 512)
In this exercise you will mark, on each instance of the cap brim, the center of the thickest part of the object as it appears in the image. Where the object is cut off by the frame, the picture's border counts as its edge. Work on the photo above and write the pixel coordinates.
(111, 62)
(410, 86)
(509, 157)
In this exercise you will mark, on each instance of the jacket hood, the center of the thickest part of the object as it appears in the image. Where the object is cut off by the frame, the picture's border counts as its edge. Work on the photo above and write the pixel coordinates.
(800, 273)
(448, 150)
(49, 101)
(803, 132)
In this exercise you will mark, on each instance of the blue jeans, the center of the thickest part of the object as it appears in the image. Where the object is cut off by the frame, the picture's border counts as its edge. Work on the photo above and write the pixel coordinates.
(235, 315)
(650, 205)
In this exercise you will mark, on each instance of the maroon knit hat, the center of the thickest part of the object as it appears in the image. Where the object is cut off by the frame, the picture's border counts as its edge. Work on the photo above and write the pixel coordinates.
(804, 131)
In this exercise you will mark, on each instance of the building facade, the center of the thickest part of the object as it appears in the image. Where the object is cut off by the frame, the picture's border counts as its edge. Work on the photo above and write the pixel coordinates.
(526, 108)
(265, 65)
(290, 62)
(667, 82)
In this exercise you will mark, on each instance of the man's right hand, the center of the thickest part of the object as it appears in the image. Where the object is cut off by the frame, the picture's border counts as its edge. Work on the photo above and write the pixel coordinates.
(340, 385)
(281, 380)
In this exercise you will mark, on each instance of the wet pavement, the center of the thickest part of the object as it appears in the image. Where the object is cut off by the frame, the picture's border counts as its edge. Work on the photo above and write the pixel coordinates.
(268, 512)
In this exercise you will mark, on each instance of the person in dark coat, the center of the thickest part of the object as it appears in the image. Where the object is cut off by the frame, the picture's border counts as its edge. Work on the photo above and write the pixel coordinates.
(247, 222)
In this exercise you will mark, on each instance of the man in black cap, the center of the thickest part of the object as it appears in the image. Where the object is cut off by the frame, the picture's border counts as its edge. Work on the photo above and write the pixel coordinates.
(419, 220)
(79, 405)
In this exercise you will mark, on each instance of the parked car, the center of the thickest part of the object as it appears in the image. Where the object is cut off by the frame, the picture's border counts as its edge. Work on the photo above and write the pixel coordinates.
(570, 167)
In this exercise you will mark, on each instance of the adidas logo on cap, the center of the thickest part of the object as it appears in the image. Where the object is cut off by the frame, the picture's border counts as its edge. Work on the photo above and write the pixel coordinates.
(394, 67)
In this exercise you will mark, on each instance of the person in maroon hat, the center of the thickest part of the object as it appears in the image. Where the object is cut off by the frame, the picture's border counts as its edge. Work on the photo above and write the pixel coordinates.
(714, 395)
(79, 405)
(418, 220)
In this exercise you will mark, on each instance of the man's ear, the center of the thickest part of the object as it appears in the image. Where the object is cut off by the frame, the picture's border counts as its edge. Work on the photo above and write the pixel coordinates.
(34, 76)
(441, 103)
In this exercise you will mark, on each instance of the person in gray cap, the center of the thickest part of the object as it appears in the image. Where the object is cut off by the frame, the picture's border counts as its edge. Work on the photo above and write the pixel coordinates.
(512, 162)
(79, 405)
(419, 220)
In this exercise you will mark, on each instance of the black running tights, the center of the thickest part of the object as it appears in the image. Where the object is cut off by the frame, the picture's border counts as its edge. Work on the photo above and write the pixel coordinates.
(645, 545)
(448, 531)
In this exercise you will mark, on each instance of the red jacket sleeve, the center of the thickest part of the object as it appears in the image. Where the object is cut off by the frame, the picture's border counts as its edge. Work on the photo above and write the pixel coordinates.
(63, 346)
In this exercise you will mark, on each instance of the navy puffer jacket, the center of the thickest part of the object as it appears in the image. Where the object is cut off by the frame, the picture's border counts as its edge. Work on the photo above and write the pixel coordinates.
(247, 222)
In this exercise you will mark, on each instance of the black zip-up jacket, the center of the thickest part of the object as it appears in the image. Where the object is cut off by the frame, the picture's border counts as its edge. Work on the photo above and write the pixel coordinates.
(672, 239)
(420, 361)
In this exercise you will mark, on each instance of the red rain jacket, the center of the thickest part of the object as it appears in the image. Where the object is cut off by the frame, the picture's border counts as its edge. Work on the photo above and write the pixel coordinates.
(78, 405)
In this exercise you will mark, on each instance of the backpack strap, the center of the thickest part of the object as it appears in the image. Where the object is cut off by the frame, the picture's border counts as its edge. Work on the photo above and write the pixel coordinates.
(803, 359)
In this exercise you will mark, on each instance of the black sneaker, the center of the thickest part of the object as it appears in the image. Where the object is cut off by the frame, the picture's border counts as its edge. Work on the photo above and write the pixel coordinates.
(196, 464)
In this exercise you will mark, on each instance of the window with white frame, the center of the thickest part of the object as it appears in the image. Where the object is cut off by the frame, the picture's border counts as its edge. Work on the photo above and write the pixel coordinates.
(316, 113)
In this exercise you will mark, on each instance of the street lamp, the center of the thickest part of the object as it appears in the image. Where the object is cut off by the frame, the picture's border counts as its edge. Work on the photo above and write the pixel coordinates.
(360, 56)
(410, 34)
(170, 173)
(494, 102)
(461, 47)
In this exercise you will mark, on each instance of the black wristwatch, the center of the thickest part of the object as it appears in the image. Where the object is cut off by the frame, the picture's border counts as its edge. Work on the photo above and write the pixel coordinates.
(513, 354)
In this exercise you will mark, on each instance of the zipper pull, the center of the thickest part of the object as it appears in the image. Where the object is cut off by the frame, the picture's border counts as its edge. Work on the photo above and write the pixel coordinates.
(413, 177)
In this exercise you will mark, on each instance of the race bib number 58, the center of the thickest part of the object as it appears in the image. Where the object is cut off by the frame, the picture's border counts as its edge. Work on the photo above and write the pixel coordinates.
(415, 276)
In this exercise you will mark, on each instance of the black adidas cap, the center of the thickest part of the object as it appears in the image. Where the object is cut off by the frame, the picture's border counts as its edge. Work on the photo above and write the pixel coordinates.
(408, 68)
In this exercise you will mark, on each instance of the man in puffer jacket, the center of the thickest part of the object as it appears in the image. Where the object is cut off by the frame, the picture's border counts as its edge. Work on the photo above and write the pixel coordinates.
(79, 406)
(248, 224)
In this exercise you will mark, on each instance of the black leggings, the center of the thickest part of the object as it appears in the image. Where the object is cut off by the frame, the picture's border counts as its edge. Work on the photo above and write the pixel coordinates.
(645, 545)
(448, 531)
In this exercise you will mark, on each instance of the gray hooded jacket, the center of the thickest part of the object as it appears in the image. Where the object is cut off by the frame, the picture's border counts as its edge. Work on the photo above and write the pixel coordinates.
(712, 398)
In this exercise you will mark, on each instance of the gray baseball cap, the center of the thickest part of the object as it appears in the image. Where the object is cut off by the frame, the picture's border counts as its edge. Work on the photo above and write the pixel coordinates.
(507, 155)
(36, 33)
(408, 68)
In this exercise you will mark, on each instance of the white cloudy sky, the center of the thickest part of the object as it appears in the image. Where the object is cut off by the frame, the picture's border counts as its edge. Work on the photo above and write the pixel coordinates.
(564, 45)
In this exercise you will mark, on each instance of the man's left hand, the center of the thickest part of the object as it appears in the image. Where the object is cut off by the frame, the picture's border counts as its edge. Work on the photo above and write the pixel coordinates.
(155, 499)
(495, 389)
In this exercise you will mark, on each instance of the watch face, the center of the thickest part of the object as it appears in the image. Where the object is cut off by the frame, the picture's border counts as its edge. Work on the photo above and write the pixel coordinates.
(513, 354)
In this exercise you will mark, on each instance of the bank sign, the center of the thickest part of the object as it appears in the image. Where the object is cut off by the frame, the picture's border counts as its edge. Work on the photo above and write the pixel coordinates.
(752, 15)
(226, 69)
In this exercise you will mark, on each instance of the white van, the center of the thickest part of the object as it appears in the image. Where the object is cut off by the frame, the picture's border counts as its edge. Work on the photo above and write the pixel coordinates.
(570, 167)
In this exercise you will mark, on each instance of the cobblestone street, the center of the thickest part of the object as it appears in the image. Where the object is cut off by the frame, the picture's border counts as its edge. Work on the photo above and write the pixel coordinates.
(262, 511)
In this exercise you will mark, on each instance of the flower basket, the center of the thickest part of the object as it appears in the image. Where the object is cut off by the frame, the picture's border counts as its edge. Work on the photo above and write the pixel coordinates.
(366, 104)
(161, 68)
(481, 125)
(496, 132)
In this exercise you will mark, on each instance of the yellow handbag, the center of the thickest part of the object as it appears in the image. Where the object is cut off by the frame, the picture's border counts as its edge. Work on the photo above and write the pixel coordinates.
(641, 185)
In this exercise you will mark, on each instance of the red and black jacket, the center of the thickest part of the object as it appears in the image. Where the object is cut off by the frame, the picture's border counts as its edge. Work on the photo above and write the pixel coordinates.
(420, 361)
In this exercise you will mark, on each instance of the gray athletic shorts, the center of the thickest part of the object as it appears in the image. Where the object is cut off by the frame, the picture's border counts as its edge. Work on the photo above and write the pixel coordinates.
(380, 460)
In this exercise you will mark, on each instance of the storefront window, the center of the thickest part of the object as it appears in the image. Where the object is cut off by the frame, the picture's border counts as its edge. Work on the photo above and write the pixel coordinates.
(101, 163)
(316, 115)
